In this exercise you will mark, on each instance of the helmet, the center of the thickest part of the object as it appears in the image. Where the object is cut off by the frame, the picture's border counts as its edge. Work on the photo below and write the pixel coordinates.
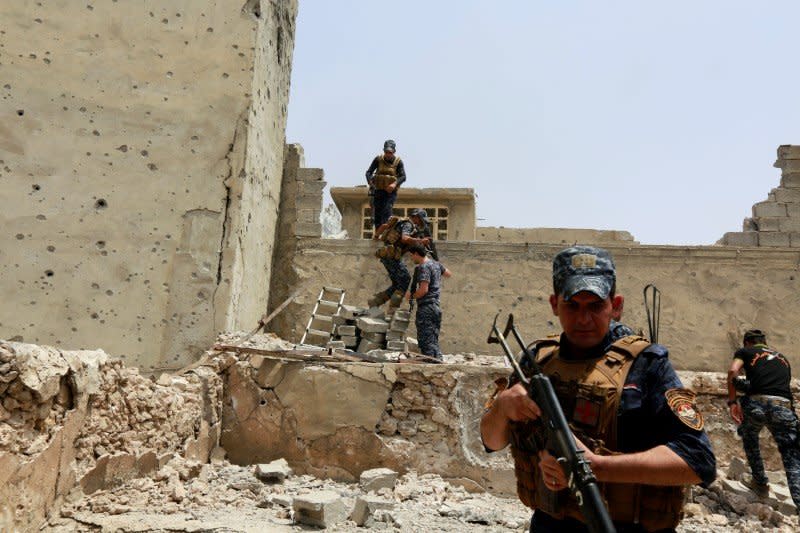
(389, 146)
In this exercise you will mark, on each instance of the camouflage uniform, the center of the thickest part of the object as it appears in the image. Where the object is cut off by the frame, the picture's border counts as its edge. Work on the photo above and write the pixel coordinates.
(779, 417)
(429, 314)
(619, 330)
(398, 274)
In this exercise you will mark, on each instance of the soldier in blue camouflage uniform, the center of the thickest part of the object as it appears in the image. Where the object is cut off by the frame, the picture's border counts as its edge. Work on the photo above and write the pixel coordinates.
(384, 176)
(657, 444)
(398, 234)
(425, 290)
(767, 402)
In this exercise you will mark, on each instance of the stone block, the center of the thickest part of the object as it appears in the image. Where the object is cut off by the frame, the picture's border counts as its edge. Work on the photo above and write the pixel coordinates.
(377, 338)
(365, 508)
(364, 346)
(349, 341)
(773, 238)
(396, 346)
(737, 468)
(377, 478)
(412, 344)
(402, 314)
(318, 338)
(788, 165)
(399, 325)
(351, 312)
(793, 210)
(310, 174)
(395, 335)
(787, 196)
(790, 180)
(336, 345)
(346, 330)
(788, 151)
(789, 224)
(308, 216)
(321, 509)
(308, 229)
(768, 223)
(311, 188)
(339, 320)
(273, 472)
(769, 209)
(740, 238)
(372, 325)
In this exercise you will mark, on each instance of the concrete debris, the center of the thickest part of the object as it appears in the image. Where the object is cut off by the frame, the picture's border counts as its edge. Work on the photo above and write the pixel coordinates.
(366, 507)
(323, 509)
(377, 478)
(274, 472)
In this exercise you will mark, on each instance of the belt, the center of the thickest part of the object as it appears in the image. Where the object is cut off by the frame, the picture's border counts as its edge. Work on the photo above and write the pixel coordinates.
(769, 398)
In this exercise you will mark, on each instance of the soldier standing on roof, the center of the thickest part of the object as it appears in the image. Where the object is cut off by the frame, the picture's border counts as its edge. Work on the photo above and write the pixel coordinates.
(385, 175)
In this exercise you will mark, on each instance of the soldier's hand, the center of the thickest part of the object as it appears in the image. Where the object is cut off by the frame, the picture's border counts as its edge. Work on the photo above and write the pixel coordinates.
(391, 187)
(552, 473)
(516, 405)
(736, 412)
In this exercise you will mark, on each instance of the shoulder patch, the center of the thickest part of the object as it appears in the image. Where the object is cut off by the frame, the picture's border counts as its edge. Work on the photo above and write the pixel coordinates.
(682, 403)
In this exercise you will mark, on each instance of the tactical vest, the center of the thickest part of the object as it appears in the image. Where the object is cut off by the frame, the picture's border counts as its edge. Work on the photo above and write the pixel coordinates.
(589, 392)
(386, 174)
(392, 248)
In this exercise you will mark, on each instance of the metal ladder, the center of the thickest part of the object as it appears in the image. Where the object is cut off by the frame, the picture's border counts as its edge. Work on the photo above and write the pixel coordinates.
(320, 325)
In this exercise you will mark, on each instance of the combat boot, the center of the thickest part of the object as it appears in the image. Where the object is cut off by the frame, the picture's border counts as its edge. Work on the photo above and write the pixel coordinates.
(394, 303)
(378, 299)
(760, 489)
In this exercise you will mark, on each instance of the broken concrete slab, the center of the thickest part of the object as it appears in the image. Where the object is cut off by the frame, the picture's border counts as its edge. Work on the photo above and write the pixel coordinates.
(365, 346)
(351, 312)
(366, 506)
(322, 509)
(346, 330)
(273, 472)
(377, 478)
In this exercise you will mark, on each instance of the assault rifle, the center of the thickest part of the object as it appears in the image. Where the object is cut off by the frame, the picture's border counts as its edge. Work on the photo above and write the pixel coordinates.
(560, 441)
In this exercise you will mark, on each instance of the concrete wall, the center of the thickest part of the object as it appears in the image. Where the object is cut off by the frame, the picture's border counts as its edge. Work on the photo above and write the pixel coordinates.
(142, 152)
(564, 236)
(710, 294)
(338, 419)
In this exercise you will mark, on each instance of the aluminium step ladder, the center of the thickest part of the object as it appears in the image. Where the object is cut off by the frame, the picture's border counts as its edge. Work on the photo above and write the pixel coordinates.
(320, 327)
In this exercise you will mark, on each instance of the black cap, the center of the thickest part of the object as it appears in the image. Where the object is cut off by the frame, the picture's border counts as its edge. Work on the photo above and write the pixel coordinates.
(583, 268)
(419, 212)
(389, 146)
(754, 335)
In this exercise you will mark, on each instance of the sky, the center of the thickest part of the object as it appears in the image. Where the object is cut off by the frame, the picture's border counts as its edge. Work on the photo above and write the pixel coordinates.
(657, 118)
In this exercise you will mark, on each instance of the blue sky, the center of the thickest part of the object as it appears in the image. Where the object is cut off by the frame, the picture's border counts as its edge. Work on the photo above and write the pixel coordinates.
(661, 119)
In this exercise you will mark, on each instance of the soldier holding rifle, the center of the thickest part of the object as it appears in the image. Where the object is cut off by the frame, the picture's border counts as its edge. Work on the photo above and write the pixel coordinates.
(638, 428)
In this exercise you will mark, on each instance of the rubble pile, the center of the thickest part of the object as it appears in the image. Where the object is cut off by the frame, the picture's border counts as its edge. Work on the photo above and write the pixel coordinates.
(188, 496)
(35, 395)
(133, 414)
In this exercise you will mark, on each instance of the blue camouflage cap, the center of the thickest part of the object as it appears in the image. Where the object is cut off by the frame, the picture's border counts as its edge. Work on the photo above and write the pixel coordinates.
(583, 268)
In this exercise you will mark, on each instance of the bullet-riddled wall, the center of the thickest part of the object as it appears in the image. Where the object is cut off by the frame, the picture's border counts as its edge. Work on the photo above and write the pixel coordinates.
(141, 153)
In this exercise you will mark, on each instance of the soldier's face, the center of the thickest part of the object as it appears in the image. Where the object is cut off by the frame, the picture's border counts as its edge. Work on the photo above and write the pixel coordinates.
(585, 317)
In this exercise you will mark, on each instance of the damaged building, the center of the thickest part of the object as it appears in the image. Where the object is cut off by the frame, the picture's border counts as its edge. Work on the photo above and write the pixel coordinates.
(152, 204)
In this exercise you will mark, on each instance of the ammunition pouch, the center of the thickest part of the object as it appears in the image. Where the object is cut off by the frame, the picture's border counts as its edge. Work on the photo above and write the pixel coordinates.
(383, 181)
(389, 252)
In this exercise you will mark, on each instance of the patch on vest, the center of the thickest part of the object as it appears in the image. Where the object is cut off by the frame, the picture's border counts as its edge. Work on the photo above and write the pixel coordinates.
(586, 412)
(682, 403)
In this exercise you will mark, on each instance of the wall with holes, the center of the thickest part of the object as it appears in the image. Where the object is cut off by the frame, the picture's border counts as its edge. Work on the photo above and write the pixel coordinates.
(141, 151)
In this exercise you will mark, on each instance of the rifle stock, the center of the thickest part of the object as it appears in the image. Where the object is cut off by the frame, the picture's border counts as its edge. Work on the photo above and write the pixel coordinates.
(560, 440)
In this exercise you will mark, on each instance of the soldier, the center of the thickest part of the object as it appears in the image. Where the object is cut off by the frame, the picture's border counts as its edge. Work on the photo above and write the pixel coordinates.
(767, 401)
(385, 175)
(423, 229)
(639, 427)
(425, 291)
(397, 234)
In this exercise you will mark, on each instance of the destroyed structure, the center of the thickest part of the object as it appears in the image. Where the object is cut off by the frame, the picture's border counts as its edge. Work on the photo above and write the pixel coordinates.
(151, 202)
